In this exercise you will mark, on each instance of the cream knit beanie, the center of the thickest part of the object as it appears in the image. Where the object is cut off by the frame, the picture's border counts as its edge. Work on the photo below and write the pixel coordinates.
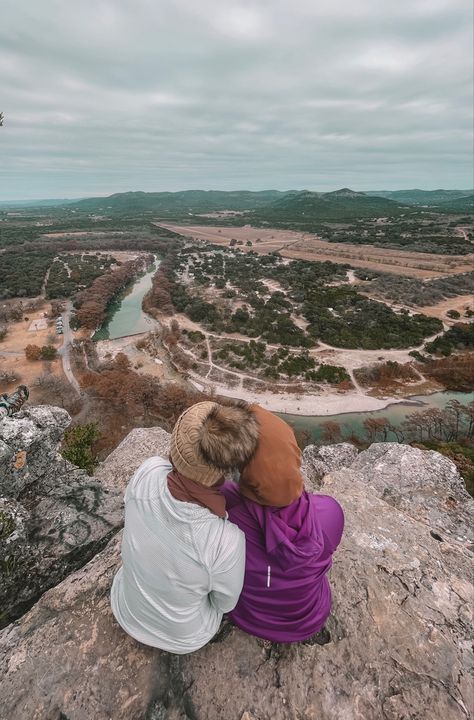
(209, 439)
(185, 452)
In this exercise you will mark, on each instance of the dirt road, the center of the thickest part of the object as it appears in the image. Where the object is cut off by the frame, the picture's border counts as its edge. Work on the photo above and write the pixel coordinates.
(65, 349)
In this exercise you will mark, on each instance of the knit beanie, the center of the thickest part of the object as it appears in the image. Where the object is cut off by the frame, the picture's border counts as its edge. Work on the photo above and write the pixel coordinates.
(210, 439)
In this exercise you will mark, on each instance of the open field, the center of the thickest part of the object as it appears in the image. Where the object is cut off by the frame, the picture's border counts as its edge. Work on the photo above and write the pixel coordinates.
(20, 334)
(305, 246)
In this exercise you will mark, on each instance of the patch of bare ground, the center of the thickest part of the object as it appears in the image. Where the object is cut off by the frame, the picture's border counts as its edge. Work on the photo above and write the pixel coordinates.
(380, 379)
(440, 310)
(305, 246)
(146, 353)
(424, 387)
(221, 376)
(36, 328)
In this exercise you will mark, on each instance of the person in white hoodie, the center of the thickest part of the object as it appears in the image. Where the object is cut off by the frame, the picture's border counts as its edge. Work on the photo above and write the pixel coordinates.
(183, 561)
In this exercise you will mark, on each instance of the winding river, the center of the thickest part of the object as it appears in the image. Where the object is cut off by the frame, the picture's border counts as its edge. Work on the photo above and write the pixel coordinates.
(125, 315)
(353, 422)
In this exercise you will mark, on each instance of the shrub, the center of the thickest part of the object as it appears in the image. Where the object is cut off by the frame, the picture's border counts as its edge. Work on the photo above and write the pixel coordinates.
(77, 446)
(32, 352)
(48, 352)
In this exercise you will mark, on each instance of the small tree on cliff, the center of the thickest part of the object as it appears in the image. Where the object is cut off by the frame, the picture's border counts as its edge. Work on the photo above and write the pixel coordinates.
(77, 446)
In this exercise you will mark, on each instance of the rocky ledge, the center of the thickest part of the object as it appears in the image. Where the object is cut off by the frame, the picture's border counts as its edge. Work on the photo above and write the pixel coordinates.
(400, 644)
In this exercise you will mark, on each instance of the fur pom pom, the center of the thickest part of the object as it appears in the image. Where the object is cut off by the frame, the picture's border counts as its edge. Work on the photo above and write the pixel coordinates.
(229, 436)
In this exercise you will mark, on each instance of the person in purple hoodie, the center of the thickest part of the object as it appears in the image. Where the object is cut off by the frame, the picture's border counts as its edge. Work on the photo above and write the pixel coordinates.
(290, 535)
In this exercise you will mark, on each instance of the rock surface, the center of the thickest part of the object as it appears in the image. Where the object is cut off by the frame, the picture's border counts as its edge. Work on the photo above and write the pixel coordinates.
(319, 461)
(140, 443)
(400, 644)
(421, 483)
(53, 516)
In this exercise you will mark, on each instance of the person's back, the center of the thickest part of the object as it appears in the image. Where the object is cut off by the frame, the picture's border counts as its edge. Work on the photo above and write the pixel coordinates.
(182, 560)
(290, 537)
(286, 595)
(182, 566)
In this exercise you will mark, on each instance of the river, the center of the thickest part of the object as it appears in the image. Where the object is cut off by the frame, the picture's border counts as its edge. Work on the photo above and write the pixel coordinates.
(125, 315)
(353, 422)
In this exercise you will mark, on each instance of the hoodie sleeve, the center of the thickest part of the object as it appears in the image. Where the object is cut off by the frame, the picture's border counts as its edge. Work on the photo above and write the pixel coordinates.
(331, 519)
(228, 572)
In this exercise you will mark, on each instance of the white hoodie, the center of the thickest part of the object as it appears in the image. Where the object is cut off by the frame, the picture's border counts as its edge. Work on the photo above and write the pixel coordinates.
(182, 566)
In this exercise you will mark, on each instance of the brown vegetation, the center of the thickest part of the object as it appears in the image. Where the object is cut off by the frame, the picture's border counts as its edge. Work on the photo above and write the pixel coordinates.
(455, 372)
(46, 352)
(49, 389)
(158, 298)
(385, 374)
(120, 399)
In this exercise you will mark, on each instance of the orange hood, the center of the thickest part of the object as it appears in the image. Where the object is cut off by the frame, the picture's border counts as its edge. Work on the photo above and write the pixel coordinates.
(273, 475)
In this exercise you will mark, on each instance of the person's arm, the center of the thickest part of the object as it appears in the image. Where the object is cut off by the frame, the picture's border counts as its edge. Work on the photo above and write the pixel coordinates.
(228, 573)
(331, 520)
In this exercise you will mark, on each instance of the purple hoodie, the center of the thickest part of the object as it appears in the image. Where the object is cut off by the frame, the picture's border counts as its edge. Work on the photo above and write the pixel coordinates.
(286, 595)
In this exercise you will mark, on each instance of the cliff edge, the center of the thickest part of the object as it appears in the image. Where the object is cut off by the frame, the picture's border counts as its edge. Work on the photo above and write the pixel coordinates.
(400, 626)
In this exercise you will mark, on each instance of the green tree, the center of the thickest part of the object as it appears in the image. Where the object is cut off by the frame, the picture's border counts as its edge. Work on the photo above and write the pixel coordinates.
(77, 446)
(48, 352)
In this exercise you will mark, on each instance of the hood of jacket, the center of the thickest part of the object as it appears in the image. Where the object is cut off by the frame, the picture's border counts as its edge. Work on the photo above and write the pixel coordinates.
(273, 475)
(292, 535)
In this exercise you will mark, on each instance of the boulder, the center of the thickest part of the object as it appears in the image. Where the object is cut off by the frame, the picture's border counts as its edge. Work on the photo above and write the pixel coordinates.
(140, 444)
(421, 483)
(28, 447)
(319, 461)
(400, 644)
(53, 516)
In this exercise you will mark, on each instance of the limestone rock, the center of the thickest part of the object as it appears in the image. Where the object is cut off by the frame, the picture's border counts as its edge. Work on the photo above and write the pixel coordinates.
(140, 444)
(318, 461)
(56, 517)
(400, 632)
(424, 484)
(28, 447)
(71, 656)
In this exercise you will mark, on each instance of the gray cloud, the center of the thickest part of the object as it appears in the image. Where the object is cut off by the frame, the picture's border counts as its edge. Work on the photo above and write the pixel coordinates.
(104, 96)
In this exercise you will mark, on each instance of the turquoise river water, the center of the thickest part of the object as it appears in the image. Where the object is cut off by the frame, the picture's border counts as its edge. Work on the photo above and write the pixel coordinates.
(125, 315)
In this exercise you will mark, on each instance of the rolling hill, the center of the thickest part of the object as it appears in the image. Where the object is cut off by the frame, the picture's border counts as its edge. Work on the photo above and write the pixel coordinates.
(185, 201)
(344, 204)
(458, 205)
(421, 197)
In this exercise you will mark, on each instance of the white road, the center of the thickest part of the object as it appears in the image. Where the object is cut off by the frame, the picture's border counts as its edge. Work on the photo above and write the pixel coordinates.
(65, 349)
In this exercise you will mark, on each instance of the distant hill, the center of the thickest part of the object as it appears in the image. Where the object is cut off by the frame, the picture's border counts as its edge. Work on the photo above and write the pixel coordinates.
(458, 205)
(5, 204)
(420, 197)
(185, 201)
(344, 204)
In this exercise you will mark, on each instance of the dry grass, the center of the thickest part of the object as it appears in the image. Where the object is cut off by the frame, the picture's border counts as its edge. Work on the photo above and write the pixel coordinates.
(12, 349)
(305, 246)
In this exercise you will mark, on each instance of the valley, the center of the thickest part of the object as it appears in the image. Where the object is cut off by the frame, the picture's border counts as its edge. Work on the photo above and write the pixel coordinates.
(183, 302)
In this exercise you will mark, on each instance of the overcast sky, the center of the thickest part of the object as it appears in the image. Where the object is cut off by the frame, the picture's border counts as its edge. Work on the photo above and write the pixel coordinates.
(103, 96)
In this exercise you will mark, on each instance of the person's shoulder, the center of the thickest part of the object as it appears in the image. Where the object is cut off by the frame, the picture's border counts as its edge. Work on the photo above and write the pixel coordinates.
(146, 477)
(219, 538)
(328, 502)
(231, 543)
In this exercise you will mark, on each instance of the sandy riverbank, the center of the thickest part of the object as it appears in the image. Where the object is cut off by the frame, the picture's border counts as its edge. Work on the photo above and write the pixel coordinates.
(329, 402)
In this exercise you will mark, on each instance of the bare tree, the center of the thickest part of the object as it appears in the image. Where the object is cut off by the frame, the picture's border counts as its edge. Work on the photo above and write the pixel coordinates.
(331, 431)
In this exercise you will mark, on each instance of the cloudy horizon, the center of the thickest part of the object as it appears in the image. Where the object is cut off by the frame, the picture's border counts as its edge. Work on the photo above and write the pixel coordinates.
(100, 98)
